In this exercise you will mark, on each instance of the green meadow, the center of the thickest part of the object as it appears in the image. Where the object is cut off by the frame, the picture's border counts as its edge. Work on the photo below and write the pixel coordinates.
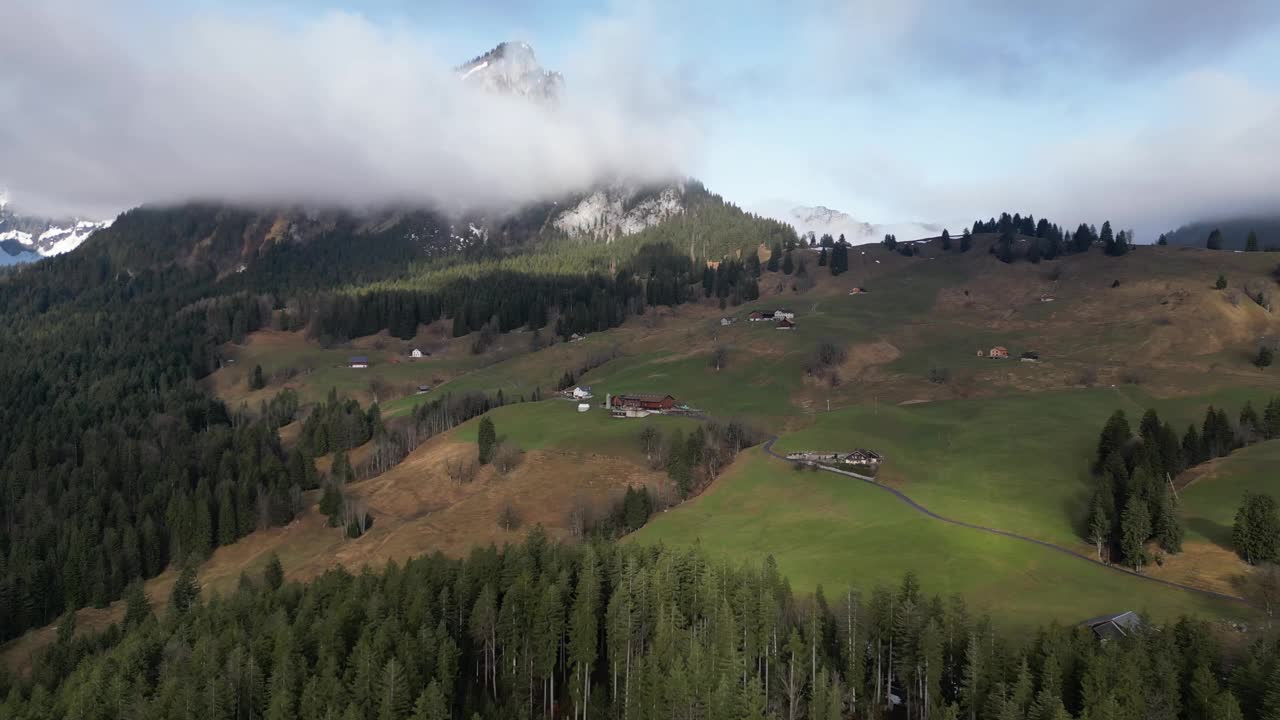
(827, 530)
(1019, 463)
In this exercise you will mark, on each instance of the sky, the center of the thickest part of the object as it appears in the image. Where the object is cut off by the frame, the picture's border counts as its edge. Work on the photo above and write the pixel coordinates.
(1150, 113)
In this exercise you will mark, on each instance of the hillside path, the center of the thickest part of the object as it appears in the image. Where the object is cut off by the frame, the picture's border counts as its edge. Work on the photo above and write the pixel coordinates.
(768, 448)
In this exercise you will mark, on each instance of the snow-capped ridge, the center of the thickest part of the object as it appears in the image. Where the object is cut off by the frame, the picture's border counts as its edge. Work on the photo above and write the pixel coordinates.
(821, 220)
(512, 68)
(42, 236)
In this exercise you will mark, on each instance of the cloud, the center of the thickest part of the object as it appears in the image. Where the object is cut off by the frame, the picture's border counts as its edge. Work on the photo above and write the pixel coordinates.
(1020, 46)
(106, 108)
(1202, 157)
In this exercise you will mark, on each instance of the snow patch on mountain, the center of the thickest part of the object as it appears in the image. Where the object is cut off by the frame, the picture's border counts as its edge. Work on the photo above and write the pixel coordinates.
(618, 210)
(33, 237)
(822, 220)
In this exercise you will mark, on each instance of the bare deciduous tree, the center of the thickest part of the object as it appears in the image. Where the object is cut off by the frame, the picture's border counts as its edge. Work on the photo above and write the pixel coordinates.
(508, 517)
(461, 471)
(719, 357)
(506, 456)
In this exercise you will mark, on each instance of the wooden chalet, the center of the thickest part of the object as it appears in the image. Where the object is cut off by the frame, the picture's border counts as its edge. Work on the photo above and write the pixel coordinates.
(642, 401)
(998, 352)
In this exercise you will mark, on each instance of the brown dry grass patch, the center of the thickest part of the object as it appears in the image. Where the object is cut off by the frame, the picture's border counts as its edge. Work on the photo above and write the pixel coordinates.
(416, 509)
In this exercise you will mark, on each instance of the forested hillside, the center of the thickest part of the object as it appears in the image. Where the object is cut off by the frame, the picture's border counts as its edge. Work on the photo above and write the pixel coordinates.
(616, 631)
(116, 462)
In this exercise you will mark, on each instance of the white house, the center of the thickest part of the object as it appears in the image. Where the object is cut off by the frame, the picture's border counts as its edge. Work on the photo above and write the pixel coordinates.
(783, 315)
(416, 353)
(582, 392)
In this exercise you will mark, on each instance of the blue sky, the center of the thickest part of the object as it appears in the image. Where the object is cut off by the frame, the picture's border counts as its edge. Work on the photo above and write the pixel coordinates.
(1150, 113)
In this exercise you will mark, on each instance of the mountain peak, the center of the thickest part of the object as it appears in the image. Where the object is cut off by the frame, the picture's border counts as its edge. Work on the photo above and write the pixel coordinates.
(512, 68)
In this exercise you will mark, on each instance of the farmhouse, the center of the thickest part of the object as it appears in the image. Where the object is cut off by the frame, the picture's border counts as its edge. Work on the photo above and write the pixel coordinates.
(785, 325)
(642, 401)
(862, 456)
(783, 315)
(1030, 356)
(416, 354)
(358, 362)
(1114, 627)
(582, 392)
(998, 352)
(760, 316)
(727, 321)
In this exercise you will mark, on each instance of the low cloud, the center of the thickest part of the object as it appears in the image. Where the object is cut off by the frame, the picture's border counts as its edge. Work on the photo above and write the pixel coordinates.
(1183, 165)
(1016, 46)
(105, 109)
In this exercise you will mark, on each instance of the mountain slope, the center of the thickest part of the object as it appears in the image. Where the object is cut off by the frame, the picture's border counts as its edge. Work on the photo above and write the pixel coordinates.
(821, 220)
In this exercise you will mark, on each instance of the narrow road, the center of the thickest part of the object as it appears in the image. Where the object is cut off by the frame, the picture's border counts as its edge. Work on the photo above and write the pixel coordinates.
(768, 448)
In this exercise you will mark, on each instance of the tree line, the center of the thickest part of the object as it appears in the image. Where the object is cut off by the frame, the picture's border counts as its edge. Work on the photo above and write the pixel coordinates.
(607, 630)
(1034, 240)
(1134, 500)
(505, 300)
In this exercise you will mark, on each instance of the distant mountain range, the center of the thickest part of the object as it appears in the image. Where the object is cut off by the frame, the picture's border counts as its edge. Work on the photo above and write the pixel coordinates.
(823, 220)
(1234, 232)
(25, 238)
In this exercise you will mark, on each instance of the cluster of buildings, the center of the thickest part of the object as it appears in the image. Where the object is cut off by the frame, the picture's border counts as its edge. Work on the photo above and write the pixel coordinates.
(638, 405)
(784, 319)
(861, 456)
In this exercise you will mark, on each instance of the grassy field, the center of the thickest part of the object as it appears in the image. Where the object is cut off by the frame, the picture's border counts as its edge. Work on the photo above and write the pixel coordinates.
(557, 424)
(1210, 502)
(832, 531)
(1018, 463)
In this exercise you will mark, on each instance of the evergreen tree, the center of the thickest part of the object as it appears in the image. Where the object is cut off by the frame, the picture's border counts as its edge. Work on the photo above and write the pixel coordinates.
(1099, 523)
(186, 590)
(822, 257)
(1265, 356)
(1115, 435)
(431, 704)
(1168, 526)
(137, 605)
(788, 266)
(946, 239)
(487, 438)
(1135, 528)
(1256, 533)
(1251, 242)
(1163, 240)
(775, 258)
(256, 380)
(966, 241)
(1221, 284)
(1215, 240)
(1271, 419)
(273, 574)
